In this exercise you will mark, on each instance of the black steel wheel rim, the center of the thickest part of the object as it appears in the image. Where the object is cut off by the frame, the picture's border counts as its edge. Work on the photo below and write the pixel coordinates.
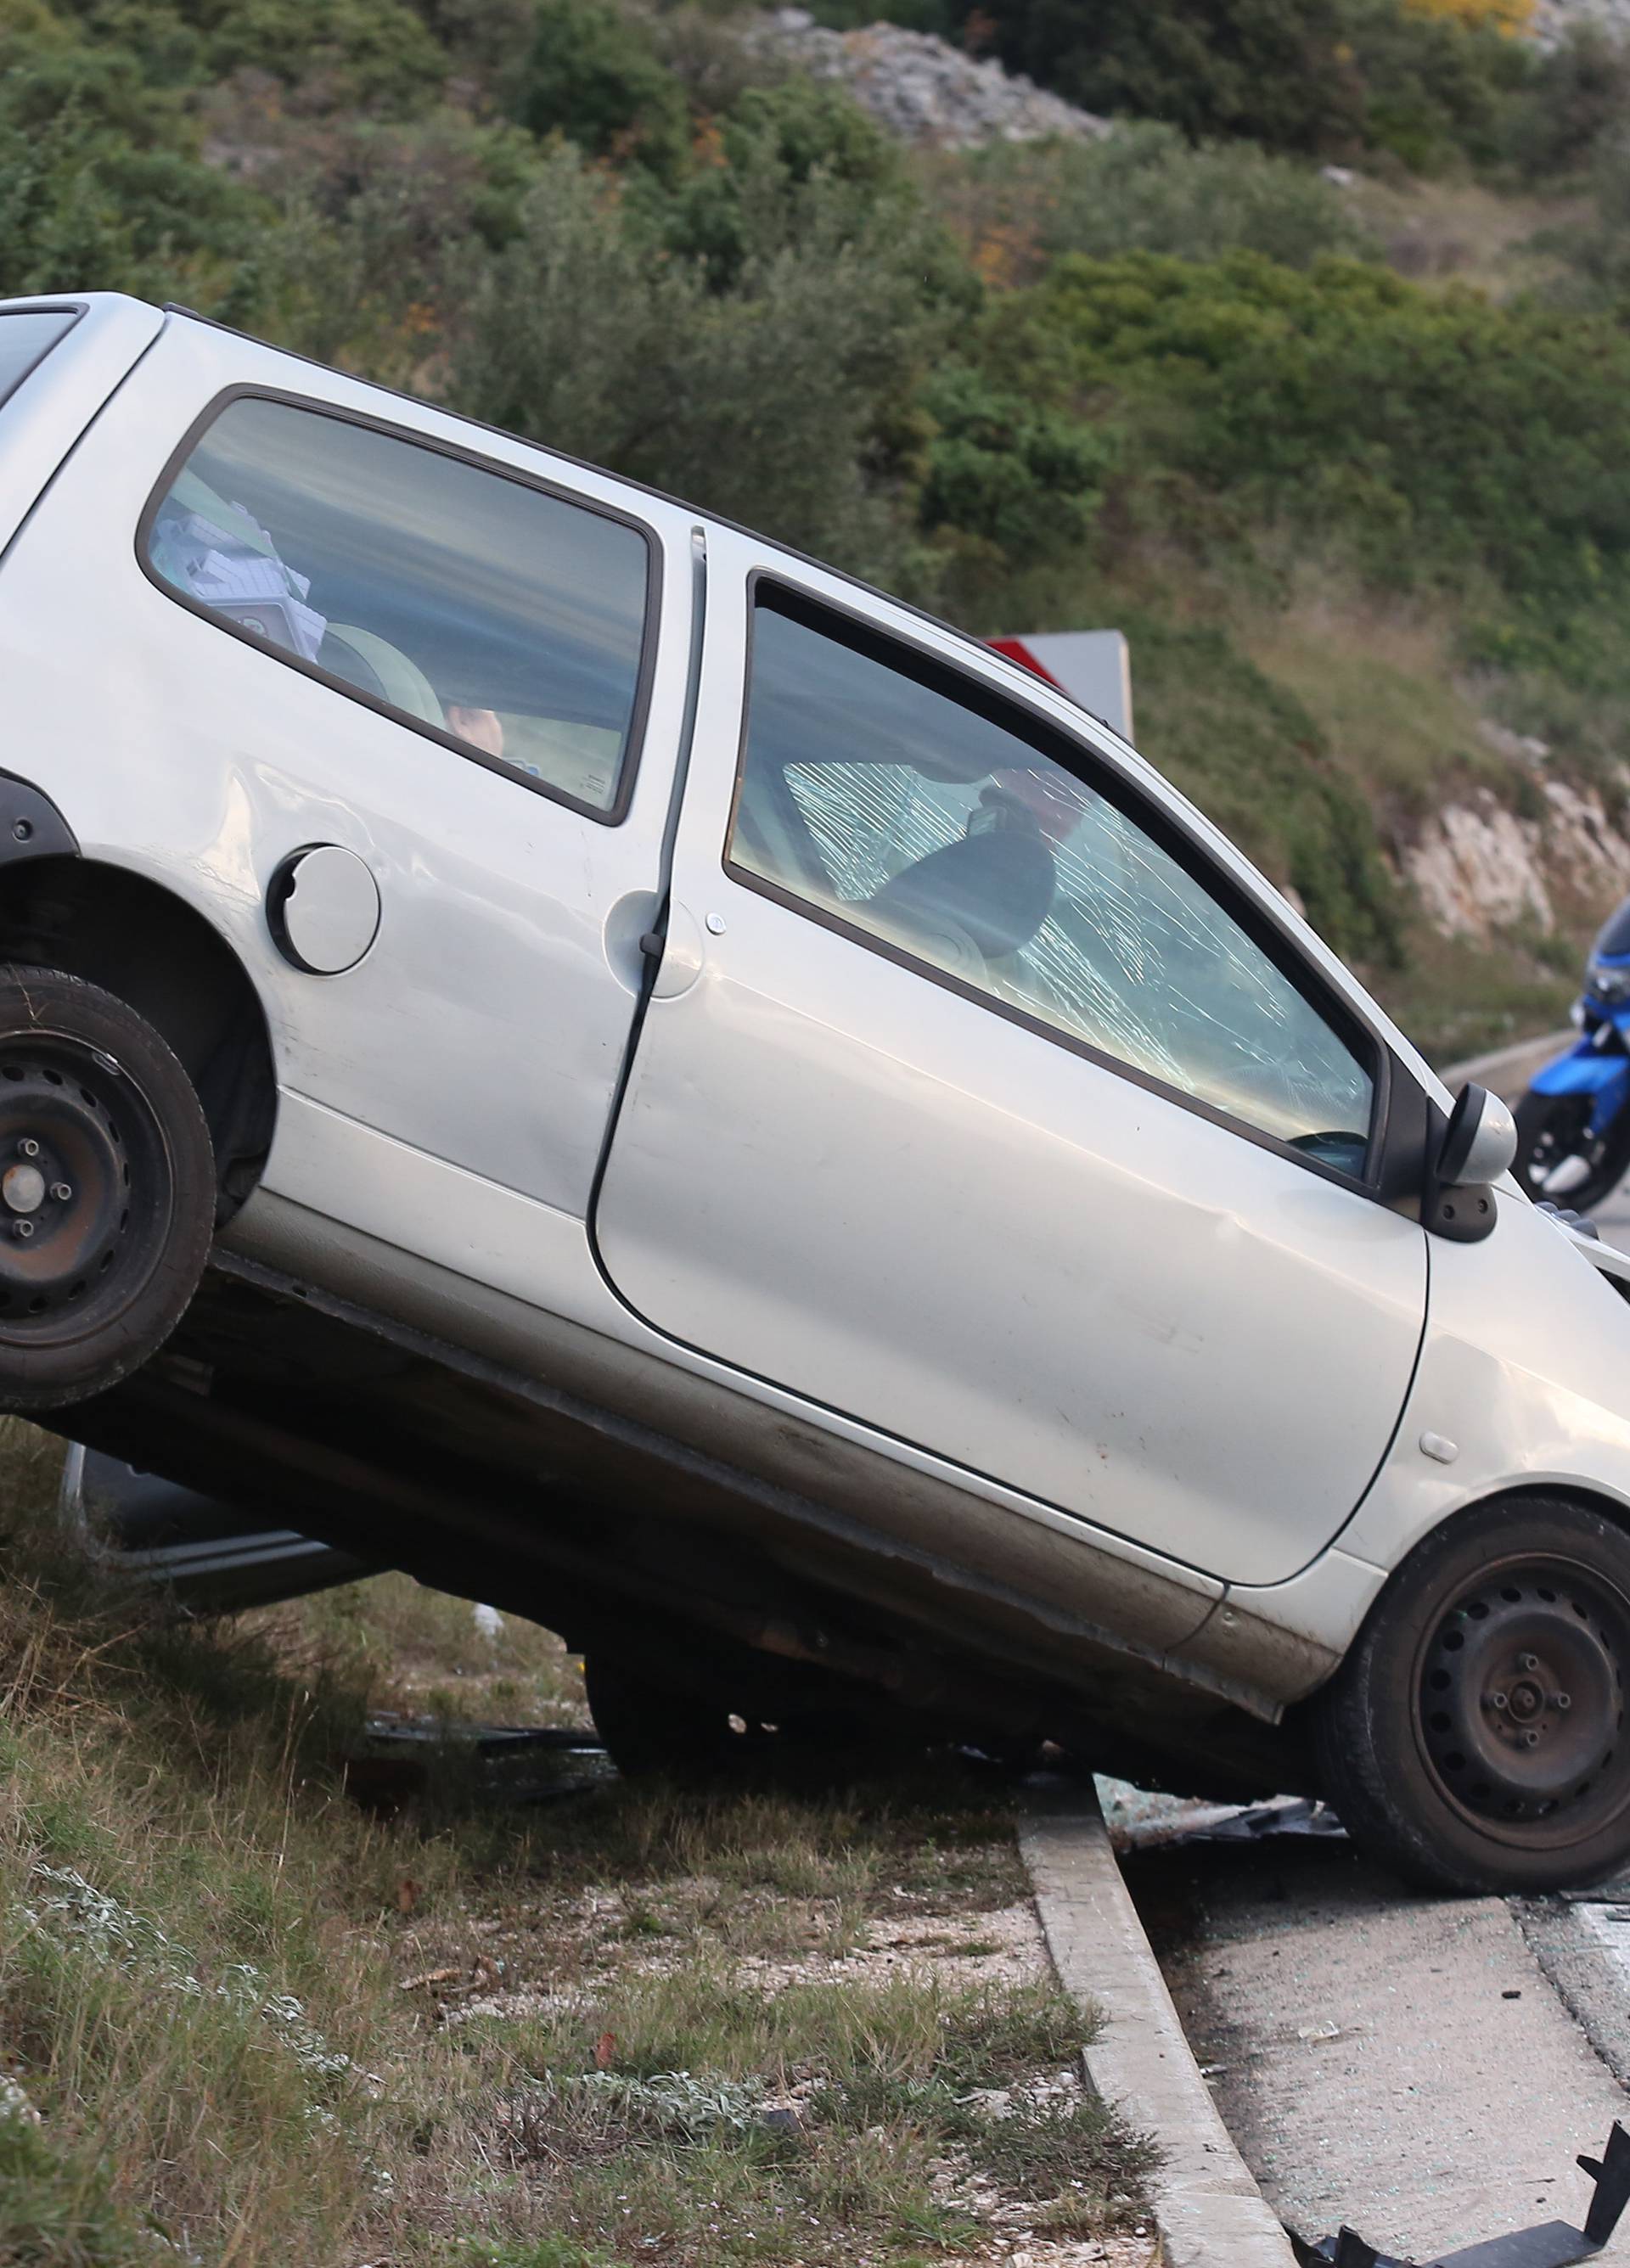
(1520, 1702)
(87, 1190)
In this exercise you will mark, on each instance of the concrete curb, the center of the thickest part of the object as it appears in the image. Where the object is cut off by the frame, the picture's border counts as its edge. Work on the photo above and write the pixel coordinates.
(1209, 2210)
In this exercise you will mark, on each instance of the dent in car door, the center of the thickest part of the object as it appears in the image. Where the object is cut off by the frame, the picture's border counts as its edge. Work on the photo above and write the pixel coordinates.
(916, 1146)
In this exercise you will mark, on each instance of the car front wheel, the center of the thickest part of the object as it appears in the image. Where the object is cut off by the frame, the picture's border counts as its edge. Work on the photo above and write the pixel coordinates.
(106, 1190)
(1474, 1738)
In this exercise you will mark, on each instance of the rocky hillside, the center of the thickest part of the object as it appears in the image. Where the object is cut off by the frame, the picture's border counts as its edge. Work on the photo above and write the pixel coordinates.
(922, 89)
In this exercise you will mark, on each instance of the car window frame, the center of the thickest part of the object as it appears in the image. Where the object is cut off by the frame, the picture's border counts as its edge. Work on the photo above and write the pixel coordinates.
(76, 315)
(610, 814)
(962, 680)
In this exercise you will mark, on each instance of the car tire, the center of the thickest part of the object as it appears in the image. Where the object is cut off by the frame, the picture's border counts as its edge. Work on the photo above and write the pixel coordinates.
(1474, 1738)
(106, 1190)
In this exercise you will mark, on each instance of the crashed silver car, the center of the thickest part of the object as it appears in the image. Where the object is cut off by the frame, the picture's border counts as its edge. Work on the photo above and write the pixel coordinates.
(548, 1042)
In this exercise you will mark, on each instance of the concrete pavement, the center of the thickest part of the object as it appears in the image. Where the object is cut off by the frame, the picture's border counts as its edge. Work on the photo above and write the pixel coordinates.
(1396, 2062)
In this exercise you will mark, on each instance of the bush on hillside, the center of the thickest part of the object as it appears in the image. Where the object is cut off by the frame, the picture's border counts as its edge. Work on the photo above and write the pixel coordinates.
(1019, 477)
(1143, 188)
(89, 203)
(1577, 104)
(356, 268)
(771, 152)
(779, 400)
(1313, 77)
(592, 76)
(1437, 435)
(1595, 251)
(1511, 17)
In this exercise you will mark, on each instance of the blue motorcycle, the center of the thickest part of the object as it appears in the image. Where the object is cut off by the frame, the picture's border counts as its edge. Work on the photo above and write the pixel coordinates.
(1574, 1123)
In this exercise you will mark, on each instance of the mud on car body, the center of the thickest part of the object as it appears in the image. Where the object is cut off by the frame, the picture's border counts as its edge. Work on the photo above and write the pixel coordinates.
(550, 1042)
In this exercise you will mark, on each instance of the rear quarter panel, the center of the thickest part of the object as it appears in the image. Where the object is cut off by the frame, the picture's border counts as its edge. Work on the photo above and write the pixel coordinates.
(41, 421)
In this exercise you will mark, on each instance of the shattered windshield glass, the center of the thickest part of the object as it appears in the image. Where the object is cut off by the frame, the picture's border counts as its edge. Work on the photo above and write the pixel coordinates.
(941, 830)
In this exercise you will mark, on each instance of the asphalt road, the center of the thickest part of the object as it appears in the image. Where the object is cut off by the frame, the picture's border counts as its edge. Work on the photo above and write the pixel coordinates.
(1614, 1217)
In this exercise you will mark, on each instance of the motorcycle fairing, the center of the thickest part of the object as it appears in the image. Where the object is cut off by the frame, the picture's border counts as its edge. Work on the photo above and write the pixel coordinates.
(1587, 1069)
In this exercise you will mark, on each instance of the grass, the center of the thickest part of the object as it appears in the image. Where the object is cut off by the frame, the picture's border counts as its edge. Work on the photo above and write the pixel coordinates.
(1289, 701)
(243, 2022)
(424, 1652)
(1381, 682)
(1459, 231)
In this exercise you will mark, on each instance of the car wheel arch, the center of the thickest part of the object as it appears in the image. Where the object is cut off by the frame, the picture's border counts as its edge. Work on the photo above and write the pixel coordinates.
(118, 928)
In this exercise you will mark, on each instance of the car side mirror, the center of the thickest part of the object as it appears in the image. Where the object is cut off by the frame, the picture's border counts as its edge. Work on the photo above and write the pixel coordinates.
(1479, 1147)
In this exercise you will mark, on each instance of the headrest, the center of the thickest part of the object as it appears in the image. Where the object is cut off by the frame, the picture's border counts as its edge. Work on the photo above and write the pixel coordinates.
(998, 887)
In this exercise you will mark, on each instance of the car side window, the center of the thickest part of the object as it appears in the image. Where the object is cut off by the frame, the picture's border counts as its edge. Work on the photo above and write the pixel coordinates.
(463, 601)
(936, 824)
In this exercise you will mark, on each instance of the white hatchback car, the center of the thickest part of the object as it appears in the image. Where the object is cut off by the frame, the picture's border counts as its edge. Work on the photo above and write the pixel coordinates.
(638, 1078)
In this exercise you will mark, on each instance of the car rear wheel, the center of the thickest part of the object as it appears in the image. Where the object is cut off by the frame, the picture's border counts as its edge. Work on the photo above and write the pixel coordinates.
(106, 1190)
(1475, 1738)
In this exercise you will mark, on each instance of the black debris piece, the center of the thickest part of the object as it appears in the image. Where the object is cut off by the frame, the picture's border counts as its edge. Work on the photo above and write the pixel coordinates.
(1549, 2244)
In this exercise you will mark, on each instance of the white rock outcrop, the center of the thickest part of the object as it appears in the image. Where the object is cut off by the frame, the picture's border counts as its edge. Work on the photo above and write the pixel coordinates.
(1478, 868)
(922, 89)
(1554, 19)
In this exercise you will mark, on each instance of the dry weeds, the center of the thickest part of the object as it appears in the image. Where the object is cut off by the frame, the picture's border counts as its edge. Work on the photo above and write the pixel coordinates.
(241, 2021)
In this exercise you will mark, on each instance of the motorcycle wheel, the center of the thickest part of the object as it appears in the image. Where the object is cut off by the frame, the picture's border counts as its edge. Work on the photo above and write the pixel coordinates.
(1553, 1130)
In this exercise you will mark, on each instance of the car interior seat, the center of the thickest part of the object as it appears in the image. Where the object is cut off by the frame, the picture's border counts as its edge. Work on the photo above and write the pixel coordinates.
(373, 665)
(995, 889)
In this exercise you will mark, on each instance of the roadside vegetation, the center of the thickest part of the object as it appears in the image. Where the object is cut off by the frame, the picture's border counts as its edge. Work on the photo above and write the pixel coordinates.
(1186, 379)
(471, 2023)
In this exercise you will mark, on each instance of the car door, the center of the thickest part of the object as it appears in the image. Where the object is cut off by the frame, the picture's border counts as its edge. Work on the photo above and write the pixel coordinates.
(977, 1104)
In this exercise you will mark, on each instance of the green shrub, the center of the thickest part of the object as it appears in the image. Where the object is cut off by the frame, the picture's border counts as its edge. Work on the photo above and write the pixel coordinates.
(592, 76)
(83, 208)
(1317, 77)
(1578, 99)
(1009, 471)
(1595, 250)
(779, 400)
(349, 54)
(1145, 189)
(1435, 435)
(777, 148)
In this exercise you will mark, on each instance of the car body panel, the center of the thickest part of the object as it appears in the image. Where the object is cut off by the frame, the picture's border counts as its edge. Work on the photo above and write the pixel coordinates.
(832, 1172)
(1522, 1377)
(207, 1556)
(52, 406)
(907, 1498)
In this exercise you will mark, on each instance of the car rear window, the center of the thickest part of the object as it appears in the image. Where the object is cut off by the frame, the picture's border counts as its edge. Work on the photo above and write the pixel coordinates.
(465, 600)
(27, 334)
